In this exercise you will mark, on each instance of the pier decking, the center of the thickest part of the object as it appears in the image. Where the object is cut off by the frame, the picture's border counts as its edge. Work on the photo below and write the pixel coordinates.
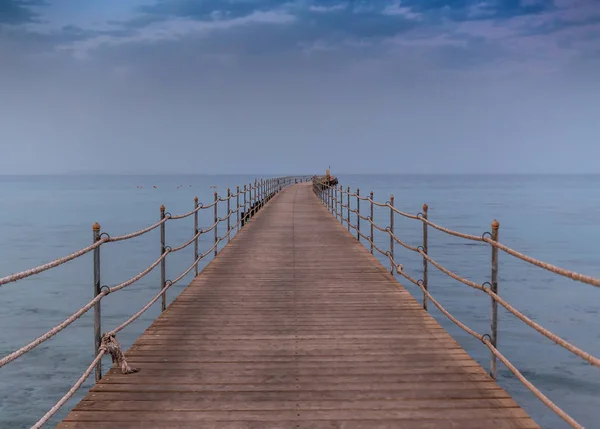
(296, 325)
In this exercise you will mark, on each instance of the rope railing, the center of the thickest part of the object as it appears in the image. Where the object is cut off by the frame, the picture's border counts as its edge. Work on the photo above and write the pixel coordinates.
(329, 196)
(255, 196)
(140, 232)
(41, 422)
(57, 262)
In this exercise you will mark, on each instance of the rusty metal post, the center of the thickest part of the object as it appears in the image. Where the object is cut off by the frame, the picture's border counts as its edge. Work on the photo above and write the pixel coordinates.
(237, 210)
(228, 214)
(245, 212)
(196, 232)
(334, 202)
(372, 221)
(163, 263)
(391, 235)
(331, 199)
(216, 212)
(341, 205)
(348, 212)
(254, 199)
(97, 308)
(358, 214)
(425, 250)
(494, 288)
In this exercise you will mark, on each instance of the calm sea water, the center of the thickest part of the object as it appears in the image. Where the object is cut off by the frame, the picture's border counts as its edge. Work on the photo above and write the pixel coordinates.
(554, 218)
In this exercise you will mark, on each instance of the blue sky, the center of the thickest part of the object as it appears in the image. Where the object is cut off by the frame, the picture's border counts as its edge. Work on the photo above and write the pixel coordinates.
(211, 86)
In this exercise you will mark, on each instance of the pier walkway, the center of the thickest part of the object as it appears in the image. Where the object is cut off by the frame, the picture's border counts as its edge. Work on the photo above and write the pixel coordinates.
(296, 325)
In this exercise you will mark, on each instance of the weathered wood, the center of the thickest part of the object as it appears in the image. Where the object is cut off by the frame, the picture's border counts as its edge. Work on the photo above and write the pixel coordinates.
(296, 325)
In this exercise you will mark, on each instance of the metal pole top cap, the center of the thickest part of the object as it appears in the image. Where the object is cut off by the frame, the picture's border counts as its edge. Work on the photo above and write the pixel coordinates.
(96, 226)
(495, 224)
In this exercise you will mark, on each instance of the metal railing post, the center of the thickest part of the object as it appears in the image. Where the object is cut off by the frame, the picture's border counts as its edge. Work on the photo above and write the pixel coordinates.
(358, 214)
(391, 235)
(97, 308)
(254, 199)
(348, 212)
(334, 202)
(163, 263)
(196, 232)
(425, 250)
(237, 210)
(372, 221)
(245, 212)
(330, 199)
(341, 205)
(216, 210)
(228, 214)
(494, 288)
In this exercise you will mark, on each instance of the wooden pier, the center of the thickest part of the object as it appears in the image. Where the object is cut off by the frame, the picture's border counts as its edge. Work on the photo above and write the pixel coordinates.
(296, 325)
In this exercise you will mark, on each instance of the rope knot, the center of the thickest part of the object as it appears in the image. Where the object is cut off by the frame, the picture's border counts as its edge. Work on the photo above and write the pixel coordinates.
(110, 345)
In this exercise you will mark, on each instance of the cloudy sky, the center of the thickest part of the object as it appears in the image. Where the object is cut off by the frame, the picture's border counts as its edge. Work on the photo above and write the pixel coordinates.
(268, 86)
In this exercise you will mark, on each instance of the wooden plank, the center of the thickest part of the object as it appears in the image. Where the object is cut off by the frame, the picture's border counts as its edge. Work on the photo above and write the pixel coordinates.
(296, 325)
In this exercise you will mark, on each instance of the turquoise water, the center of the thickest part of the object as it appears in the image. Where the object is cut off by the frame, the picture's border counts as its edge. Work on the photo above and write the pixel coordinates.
(553, 218)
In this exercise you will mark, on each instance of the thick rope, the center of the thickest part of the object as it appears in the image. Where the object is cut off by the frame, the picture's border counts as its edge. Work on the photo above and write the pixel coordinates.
(555, 408)
(545, 332)
(378, 204)
(163, 290)
(53, 264)
(213, 226)
(183, 246)
(407, 215)
(450, 273)
(140, 232)
(41, 422)
(110, 345)
(140, 275)
(386, 229)
(552, 268)
(450, 231)
(419, 283)
(548, 334)
(52, 332)
(402, 243)
(363, 217)
(184, 215)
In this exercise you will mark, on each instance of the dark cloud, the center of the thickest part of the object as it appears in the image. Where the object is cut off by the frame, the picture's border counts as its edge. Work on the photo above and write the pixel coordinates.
(466, 9)
(19, 11)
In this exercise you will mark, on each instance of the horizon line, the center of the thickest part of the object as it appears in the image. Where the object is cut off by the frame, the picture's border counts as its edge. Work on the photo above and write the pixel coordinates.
(295, 174)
